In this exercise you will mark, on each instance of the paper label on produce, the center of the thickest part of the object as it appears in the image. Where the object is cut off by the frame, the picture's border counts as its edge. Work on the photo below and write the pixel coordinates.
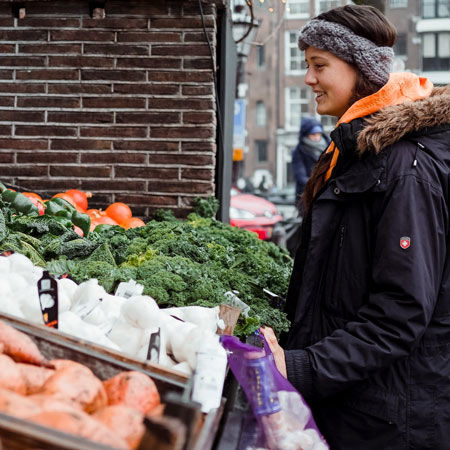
(208, 380)
(129, 289)
(263, 396)
(85, 308)
(154, 347)
(48, 299)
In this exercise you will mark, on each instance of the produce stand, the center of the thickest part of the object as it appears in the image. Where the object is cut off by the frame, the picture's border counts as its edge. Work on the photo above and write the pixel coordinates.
(173, 386)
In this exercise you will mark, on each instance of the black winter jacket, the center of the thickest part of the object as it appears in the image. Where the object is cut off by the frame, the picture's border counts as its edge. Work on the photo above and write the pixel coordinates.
(369, 296)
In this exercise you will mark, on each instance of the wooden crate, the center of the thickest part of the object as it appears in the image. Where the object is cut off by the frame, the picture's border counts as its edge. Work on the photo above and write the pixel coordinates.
(17, 433)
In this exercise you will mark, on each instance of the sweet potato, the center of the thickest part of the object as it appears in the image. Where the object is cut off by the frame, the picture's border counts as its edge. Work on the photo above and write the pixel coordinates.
(17, 405)
(54, 402)
(34, 376)
(77, 384)
(10, 376)
(133, 389)
(59, 364)
(80, 424)
(20, 347)
(126, 422)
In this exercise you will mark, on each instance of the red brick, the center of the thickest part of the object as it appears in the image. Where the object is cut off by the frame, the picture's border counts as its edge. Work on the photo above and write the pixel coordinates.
(182, 132)
(118, 23)
(48, 102)
(44, 74)
(199, 117)
(147, 145)
(7, 48)
(6, 158)
(80, 61)
(6, 101)
(120, 132)
(134, 199)
(146, 89)
(161, 118)
(6, 74)
(183, 22)
(198, 146)
(199, 104)
(193, 8)
(198, 64)
(7, 22)
(181, 159)
(116, 49)
(46, 157)
(81, 171)
(113, 158)
(146, 172)
(137, 8)
(23, 35)
(79, 88)
(44, 130)
(150, 63)
(49, 185)
(5, 130)
(180, 77)
(113, 75)
(21, 116)
(81, 35)
(180, 50)
(80, 144)
(148, 36)
(22, 60)
(50, 49)
(114, 102)
(182, 187)
(23, 170)
(198, 37)
(46, 22)
(206, 89)
(80, 117)
(24, 144)
(113, 185)
(22, 88)
(197, 174)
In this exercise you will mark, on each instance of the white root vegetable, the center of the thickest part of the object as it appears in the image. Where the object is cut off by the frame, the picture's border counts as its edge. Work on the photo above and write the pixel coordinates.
(141, 311)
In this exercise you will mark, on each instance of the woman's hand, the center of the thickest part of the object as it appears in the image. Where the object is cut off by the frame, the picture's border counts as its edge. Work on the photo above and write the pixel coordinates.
(277, 351)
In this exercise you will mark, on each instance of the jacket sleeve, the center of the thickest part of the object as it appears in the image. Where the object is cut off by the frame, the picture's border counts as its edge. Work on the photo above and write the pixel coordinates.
(298, 167)
(405, 286)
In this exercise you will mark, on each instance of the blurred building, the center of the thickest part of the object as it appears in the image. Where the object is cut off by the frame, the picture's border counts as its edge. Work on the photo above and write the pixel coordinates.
(272, 80)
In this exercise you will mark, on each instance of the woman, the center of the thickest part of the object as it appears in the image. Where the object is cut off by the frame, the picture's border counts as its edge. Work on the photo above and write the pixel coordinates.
(311, 143)
(369, 298)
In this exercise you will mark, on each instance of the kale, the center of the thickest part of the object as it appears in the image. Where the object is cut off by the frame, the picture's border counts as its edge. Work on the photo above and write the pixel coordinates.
(206, 207)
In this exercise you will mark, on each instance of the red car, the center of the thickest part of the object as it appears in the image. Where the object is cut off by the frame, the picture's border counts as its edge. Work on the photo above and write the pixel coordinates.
(253, 213)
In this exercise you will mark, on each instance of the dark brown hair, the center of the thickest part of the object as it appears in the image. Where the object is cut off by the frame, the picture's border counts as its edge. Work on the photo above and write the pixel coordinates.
(368, 22)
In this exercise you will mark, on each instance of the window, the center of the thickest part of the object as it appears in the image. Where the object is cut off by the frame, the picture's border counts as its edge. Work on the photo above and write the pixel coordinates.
(328, 122)
(435, 8)
(436, 51)
(393, 4)
(400, 47)
(261, 151)
(260, 113)
(297, 104)
(295, 58)
(260, 56)
(297, 9)
(325, 5)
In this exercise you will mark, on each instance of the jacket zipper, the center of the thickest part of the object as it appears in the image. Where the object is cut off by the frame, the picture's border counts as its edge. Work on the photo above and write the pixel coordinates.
(341, 238)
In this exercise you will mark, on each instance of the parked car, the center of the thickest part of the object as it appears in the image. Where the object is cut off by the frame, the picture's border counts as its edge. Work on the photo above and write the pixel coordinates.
(253, 213)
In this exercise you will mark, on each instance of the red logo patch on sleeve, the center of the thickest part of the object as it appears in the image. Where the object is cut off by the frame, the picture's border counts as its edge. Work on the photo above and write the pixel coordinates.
(405, 242)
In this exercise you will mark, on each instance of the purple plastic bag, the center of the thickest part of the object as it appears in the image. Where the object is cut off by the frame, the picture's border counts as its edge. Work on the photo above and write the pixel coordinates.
(285, 420)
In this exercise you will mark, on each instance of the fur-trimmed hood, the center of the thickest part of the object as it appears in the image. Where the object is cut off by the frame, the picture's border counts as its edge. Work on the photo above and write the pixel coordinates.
(390, 124)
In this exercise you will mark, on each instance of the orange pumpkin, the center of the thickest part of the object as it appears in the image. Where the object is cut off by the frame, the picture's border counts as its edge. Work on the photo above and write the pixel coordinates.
(132, 222)
(119, 211)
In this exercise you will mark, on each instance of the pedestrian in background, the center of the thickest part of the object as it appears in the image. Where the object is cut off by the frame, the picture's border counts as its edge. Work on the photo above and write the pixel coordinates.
(312, 141)
(369, 296)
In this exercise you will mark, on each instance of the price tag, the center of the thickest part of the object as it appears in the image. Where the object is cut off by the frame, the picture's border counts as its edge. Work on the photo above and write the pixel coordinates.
(154, 346)
(48, 298)
(129, 289)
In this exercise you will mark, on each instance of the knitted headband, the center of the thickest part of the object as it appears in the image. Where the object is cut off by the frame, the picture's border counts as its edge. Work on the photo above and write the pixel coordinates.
(374, 62)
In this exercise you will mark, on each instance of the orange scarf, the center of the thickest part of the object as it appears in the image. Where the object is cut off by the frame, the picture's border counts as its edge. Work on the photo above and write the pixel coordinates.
(400, 88)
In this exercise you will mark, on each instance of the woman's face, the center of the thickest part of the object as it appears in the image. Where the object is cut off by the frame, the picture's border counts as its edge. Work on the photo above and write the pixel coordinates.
(331, 79)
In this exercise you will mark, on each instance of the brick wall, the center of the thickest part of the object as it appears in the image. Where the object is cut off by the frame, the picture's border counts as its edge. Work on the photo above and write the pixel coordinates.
(121, 106)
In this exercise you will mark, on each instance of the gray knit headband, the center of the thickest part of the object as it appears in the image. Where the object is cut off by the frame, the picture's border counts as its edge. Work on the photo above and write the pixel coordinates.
(374, 62)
